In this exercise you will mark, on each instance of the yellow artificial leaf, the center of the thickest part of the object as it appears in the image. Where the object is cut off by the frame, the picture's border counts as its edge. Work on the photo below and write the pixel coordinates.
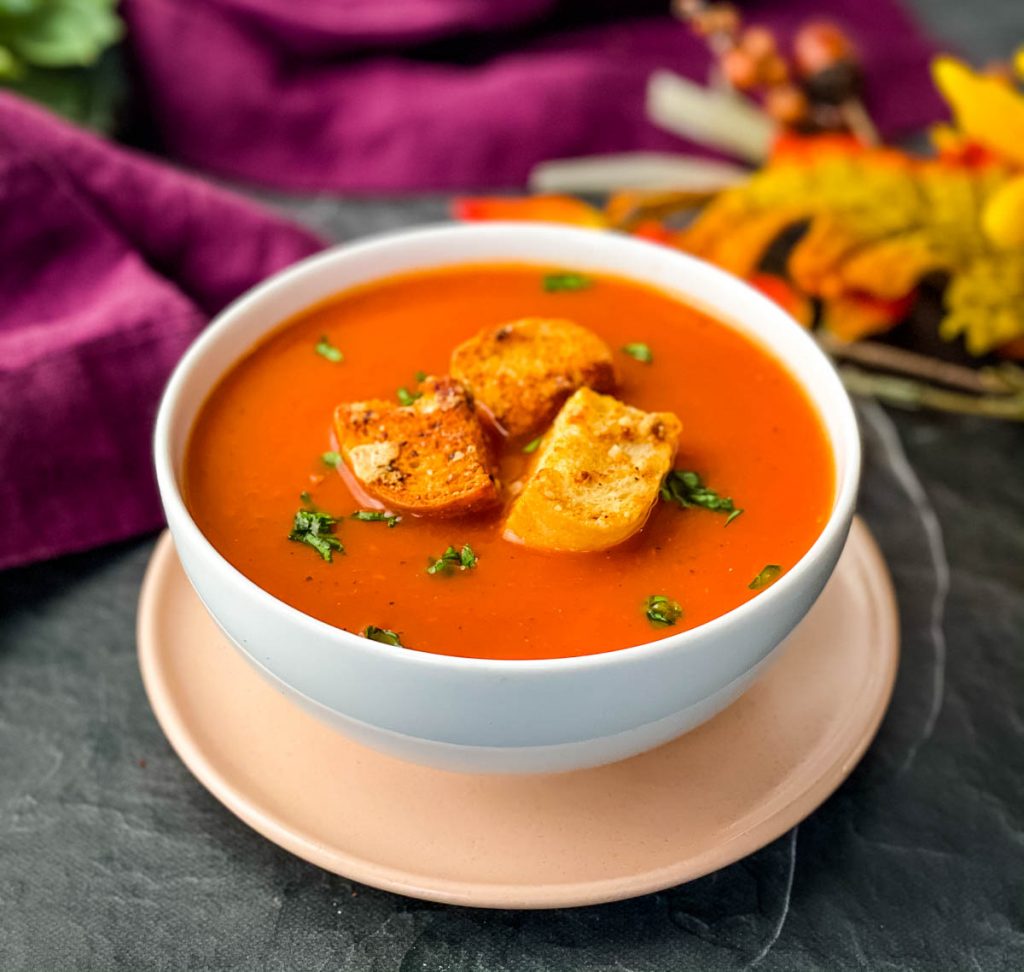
(987, 109)
(985, 302)
(1003, 215)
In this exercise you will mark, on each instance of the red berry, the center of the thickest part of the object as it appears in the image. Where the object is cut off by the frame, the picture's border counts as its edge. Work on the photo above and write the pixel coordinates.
(758, 42)
(740, 69)
(819, 45)
(787, 104)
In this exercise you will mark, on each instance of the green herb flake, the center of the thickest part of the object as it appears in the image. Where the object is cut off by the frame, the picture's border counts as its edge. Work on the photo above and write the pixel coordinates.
(406, 397)
(307, 500)
(376, 516)
(317, 531)
(639, 352)
(332, 459)
(383, 635)
(420, 376)
(325, 349)
(687, 489)
(463, 559)
(766, 577)
(662, 611)
(566, 281)
(532, 445)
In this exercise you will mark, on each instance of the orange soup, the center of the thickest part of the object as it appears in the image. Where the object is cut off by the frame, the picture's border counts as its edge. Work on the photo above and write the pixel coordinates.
(257, 456)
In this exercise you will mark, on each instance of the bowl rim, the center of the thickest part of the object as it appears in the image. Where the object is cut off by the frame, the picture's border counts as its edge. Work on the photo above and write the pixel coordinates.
(847, 440)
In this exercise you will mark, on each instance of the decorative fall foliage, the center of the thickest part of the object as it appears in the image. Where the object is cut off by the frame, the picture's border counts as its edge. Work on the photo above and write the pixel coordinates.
(873, 221)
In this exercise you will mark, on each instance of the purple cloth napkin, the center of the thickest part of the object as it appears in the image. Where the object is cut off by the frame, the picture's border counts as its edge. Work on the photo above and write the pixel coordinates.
(321, 94)
(109, 265)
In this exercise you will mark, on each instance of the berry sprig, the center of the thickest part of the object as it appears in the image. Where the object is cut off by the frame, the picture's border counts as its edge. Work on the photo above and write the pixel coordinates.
(817, 89)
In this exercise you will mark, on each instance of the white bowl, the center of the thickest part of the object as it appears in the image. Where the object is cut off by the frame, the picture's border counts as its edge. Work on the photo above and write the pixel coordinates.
(480, 715)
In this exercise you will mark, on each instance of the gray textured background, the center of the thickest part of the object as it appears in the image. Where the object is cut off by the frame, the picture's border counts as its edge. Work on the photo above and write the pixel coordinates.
(113, 856)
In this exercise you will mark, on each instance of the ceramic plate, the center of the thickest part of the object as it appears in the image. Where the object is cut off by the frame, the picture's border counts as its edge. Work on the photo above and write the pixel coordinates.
(696, 804)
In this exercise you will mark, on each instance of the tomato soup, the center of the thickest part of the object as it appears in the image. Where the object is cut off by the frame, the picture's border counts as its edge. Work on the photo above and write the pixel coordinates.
(256, 456)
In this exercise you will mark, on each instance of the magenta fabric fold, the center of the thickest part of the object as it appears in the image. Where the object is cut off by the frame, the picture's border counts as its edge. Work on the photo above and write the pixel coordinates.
(110, 264)
(367, 95)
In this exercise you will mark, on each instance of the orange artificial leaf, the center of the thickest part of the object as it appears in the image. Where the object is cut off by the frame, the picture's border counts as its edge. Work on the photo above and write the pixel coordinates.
(889, 269)
(853, 317)
(653, 231)
(715, 221)
(740, 250)
(783, 293)
(529, 209)
(816, 258)
(792, 147)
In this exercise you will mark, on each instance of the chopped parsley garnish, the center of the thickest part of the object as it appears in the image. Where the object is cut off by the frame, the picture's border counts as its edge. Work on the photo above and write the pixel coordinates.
(686, 489)
(662, 611)
(373, 516)
(384, 635)
(332, 459)
(307, 500)
(316, 530)
(462, 559)
(640, 352)
(769, 574)
(325, 349)
(555, 283)
(406, 397)
(420, 376)
(532, 445)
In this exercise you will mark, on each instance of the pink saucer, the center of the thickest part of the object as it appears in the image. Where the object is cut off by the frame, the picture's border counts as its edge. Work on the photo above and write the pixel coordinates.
(668, 816)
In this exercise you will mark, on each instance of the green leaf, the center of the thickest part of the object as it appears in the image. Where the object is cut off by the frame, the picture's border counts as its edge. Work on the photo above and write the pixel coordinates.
(87, 96)
(332, 459)
(686, 488)
(19, 8)
(451, 559)
(662, 611)
(60, 33)
(406, 397)
(11, 67)
(384, 635)
(532, 445)
(373, 516)
(641, 352)
(566, 281)
(769, 574)
(316, 530)
(325, 349)
(420, 376)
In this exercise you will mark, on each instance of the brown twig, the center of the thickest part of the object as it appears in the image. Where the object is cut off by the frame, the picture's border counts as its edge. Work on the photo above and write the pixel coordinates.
(912, 394)
(871, 354)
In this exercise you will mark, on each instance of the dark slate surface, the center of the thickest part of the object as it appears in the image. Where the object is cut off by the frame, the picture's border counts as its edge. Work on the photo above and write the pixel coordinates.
(113, 856)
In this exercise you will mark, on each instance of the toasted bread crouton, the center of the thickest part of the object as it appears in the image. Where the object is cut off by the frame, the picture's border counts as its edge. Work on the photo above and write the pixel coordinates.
(595, 477)
(429, 457)
(522, 371)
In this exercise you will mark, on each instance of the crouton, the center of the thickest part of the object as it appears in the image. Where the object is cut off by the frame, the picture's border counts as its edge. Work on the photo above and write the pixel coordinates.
(429, 457)
(595, 477)
(522, 371)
